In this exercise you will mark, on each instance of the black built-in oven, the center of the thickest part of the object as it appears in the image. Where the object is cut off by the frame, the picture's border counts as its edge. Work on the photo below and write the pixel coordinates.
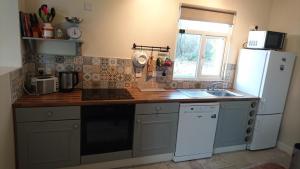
(106, 129)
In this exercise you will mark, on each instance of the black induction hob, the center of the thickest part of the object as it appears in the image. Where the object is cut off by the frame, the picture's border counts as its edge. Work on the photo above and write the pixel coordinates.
(105, 94)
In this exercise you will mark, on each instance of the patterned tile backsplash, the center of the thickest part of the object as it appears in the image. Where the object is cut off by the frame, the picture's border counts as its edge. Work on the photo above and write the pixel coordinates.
(17, 78)
(107, 72)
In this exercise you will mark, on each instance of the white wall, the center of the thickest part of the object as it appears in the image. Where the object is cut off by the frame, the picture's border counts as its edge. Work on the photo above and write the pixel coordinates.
(10, 56)
(114, 25)
(10, 46)
(7, 153)
(285, 17)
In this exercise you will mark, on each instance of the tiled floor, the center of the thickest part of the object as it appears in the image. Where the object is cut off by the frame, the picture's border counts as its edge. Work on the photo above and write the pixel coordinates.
(236, 160)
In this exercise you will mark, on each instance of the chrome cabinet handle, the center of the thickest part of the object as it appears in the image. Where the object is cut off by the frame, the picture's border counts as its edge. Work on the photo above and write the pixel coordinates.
(75, 126)
(50, 114)
(213, 116)
(200, 116)
(157, 108)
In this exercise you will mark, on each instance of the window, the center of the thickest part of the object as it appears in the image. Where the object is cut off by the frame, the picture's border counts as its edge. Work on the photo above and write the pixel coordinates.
(201, 50)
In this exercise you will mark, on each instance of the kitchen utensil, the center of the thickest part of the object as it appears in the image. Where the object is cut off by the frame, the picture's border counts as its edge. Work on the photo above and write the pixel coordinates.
(74, 20)
(52, 14)
(74, 32)
(168, 62)
(159, 62)
(59, 33)
(68, 81)
(140, 59)
(41, 15)
(150, 65)
(45, 15)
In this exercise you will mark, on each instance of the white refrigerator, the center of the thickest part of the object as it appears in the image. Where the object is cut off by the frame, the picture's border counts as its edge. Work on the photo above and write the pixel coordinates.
(265, 74)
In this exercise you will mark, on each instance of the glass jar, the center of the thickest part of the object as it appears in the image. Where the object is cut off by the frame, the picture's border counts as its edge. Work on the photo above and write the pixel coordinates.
(47, 30)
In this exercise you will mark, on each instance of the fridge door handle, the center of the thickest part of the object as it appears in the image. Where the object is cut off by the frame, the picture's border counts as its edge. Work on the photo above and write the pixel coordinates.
(257, 125)
(262, 103)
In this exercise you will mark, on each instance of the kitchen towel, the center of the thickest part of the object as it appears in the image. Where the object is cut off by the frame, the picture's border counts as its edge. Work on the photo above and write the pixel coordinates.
(150, 67)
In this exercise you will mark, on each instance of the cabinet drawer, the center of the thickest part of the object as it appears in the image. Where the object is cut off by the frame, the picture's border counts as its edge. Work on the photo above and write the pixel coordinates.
(157, 108)
(47, 113)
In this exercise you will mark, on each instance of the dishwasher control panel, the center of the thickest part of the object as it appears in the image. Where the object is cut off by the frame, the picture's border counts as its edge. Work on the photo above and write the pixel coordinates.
(199, 108)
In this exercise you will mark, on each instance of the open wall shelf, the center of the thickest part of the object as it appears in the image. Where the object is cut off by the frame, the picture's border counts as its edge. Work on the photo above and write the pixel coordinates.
(65, 47)
(57, 40)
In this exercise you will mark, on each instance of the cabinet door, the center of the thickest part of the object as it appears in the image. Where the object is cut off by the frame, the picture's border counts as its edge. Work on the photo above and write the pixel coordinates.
(232, 123)
(155, 134)
(48, 144)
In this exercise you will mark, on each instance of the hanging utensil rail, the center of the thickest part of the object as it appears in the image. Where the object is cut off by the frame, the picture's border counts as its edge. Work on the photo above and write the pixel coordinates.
(152, 48)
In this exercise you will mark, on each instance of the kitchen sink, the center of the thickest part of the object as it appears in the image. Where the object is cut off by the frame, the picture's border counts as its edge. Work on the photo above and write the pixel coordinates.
(222, 93)
(202, 93)
(153, 90)
(195, 93)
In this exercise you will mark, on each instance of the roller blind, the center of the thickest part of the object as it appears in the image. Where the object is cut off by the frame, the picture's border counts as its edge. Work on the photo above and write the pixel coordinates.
(189, 12)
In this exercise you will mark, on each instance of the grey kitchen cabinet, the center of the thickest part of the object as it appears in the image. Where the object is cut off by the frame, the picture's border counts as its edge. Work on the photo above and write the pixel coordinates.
(155, 133)
(235, 123)
(48, 144)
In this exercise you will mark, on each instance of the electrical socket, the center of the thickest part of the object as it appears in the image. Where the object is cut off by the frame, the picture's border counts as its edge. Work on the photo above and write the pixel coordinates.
(41, 70)
(88, 6)
(253, 27)
(48, 71)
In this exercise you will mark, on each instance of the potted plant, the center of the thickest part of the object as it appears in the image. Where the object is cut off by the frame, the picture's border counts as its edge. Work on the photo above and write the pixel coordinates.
(47, 17)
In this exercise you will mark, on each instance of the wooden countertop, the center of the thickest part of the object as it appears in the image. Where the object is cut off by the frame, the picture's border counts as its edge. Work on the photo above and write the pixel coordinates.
(74, 99)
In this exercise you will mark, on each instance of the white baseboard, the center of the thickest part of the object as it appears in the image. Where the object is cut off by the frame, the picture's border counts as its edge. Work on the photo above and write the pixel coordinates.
(284, 147)
(165, 157)
(229, 149)
(126, 162)
(191, 157)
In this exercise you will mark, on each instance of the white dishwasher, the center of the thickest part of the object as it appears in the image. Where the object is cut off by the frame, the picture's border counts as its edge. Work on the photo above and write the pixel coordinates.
(196, 131)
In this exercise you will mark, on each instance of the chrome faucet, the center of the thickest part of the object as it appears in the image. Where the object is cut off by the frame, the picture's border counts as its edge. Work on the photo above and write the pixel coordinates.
(214, 86)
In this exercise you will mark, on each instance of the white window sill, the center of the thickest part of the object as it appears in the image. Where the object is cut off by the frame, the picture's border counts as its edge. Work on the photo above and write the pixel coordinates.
(200, 79)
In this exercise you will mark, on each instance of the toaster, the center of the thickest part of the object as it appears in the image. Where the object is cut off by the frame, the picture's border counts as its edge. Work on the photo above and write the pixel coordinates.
(44, 84)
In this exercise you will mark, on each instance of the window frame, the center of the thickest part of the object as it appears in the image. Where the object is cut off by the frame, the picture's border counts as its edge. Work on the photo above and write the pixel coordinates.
(204, 34)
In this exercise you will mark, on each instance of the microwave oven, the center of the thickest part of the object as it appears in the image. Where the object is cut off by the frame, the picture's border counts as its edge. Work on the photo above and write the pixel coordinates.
(266, 40)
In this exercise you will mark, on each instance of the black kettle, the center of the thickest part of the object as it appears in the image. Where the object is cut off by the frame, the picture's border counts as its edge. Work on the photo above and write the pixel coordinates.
(68, 81)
